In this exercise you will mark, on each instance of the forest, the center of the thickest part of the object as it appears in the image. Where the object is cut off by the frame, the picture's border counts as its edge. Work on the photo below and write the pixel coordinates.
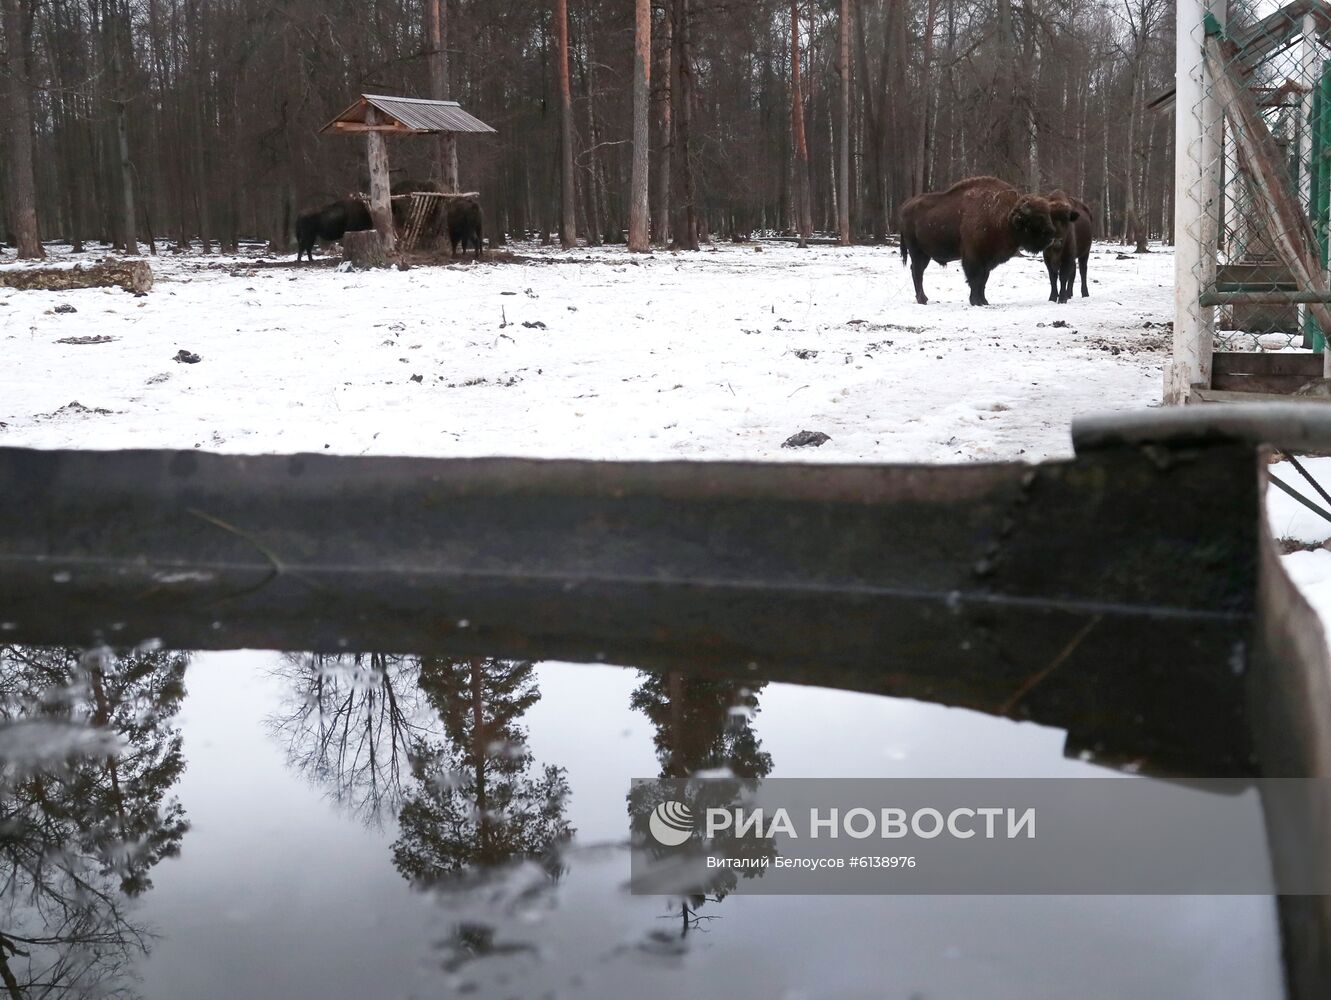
(158, 124)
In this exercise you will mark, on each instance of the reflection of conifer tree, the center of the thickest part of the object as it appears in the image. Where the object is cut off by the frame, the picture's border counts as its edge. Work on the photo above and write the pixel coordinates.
(79, 835)
(349, 724)
(479, 802)
(703, 724)
(703, 734)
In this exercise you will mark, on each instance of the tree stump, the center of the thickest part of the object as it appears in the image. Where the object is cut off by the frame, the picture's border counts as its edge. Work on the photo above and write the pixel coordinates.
(364, 249)
(131, 275)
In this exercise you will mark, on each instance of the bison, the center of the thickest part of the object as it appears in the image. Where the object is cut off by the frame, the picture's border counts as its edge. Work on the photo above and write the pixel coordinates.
(1071, 248)
(461, 222)
(981, 221)
(330, 223)
(458, 218)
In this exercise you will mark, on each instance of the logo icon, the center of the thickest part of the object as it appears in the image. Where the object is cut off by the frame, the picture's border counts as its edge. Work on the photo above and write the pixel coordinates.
(671, 823)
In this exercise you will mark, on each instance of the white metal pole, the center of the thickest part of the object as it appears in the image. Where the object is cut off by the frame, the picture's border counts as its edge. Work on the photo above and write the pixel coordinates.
(1197, 150)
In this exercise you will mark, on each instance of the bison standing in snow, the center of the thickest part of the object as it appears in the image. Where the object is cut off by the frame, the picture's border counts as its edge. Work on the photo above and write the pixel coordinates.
(463, 224)
(981, 221)
(1071, 248)
(330, 223)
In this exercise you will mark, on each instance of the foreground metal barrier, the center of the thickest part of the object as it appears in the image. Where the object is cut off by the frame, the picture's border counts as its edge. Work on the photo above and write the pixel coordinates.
(1131, 596)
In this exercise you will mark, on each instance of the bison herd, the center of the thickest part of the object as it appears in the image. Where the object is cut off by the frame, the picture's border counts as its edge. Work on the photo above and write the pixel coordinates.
(459, 221)
(981, 221)
(984, 222)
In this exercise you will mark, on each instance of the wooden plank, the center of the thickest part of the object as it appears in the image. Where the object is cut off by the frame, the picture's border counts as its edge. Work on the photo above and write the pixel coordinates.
(1262, 363)
(422, 208)
(1287, 297)
(361, 127)
(1252, 274)
(1201, 394)
(1249, 383)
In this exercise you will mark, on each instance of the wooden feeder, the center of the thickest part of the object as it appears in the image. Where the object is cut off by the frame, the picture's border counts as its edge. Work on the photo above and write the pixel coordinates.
(376, 116)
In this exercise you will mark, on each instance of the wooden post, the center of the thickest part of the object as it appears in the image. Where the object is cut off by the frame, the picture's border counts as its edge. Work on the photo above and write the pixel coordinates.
(381, 204)
(1197, 118)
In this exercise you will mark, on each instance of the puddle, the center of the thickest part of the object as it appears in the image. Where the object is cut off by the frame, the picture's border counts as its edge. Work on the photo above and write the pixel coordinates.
(266, 824)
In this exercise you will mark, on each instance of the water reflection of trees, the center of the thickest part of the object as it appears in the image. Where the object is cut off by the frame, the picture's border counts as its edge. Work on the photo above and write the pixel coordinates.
(349, 723)
(437, 743)
(705, 739)
(81, 831)
(481, 799)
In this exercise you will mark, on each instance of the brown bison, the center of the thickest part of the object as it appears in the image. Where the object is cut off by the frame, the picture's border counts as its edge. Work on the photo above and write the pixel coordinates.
(330, 223)
(1071, 248)
(458, 220)
(981, 221)
(464, 225)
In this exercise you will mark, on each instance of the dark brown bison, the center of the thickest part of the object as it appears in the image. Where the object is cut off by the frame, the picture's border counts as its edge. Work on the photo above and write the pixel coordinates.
(981, 221)
(461, 222)
(1071, 248)
(330, 223)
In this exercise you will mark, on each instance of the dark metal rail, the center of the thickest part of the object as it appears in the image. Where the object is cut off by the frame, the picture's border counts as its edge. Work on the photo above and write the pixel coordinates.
(1131, 596)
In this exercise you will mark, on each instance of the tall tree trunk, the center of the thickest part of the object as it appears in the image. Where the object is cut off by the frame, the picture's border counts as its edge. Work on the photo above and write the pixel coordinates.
(686, 233)
(1143, 161)
(798, 140)
(446, 149)
(921, 176)
(642, 84)
(843, 206)
(664, 167)
(1130, 223)
(568, 227)
(1008, 155)
(118, 29)
(21, 186)
(1030, 70)
(592, 187)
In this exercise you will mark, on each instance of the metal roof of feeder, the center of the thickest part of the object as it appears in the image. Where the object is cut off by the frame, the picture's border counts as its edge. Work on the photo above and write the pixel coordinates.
(406, 116)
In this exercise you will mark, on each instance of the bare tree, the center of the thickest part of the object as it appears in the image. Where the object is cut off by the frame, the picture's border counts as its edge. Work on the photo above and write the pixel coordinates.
(22, 185)
(568, 233)
(642, 85)
(661, 235)
(221, 102)
(799, 141)
(686, 233)
(843, 67)
(446, 152)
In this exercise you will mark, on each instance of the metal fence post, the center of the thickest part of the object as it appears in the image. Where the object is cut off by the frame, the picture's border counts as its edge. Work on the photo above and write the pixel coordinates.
(1197, 140)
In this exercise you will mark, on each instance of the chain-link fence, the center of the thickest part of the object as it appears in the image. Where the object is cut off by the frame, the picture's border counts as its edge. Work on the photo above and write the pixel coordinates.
(1254, 185)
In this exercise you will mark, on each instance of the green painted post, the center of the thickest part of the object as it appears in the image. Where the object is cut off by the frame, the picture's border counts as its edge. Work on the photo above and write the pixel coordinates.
(1314, 193)
(1322, 146)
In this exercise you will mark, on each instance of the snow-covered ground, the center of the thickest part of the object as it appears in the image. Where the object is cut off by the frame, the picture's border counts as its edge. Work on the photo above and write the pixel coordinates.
(594, 354)
(599, 354)
(1294, 523)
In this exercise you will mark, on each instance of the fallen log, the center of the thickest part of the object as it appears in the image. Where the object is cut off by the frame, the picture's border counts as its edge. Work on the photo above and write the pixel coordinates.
(131, 275)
